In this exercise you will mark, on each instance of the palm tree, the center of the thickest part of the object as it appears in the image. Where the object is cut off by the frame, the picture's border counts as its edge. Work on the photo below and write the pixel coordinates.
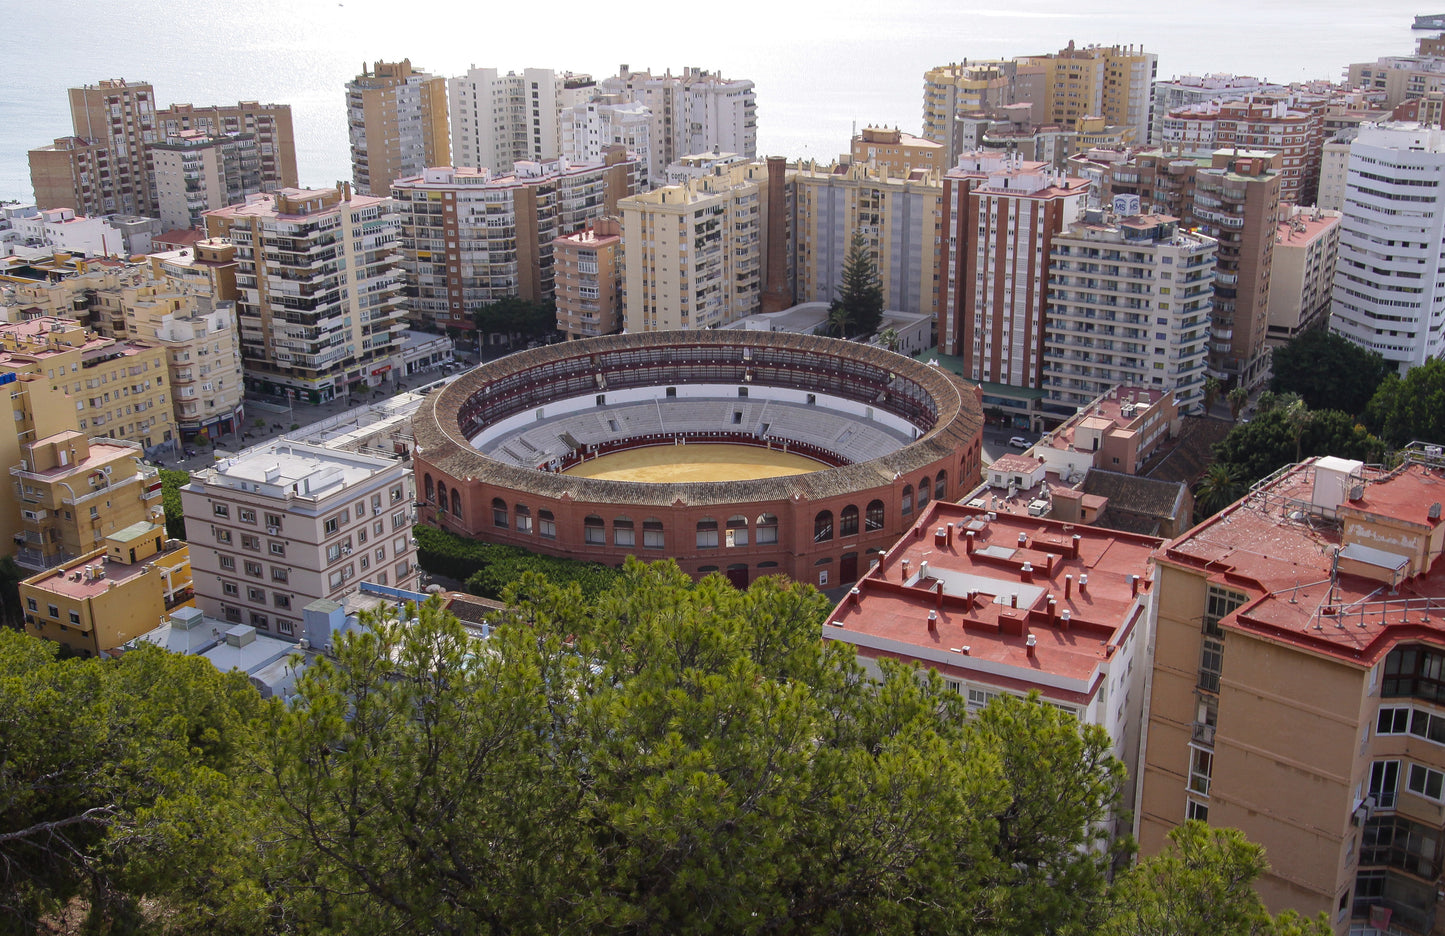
(889, 339)
(1237, 398)
(1297, 416)
(1212, 387)
(1219, 488)
(837, 324)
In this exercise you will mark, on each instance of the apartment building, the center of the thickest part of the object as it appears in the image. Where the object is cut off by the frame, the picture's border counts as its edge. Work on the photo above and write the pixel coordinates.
(1004, 604)
(1296, 134)
(1295, 685)
(500, 120)
(93, 604)
(695, 112)
(319, 281)
(470, 236)
(121, 116)
(1399, 77)
(75, 173)
(1186, 91)
(1387, 293)
(71, 492)
(117, 388)
(1000, 216)
(589, 129)
(1129, 298)
(285, 524)
(897, 215)
(589, 280)
(961, 88)
(396, 119)
(897, 152)
(1302, 273)
(696, 254)
(1232, 197)
(195, 172)
(1113, 82)
(28, 231)
(268, 124)
(206, 268)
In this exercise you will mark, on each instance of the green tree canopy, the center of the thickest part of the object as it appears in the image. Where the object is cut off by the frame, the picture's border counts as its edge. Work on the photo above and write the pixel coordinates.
(860, 296)
(1327, 371)
(1279, 435)
(514, 316)
(1201, 885)
(171, 484)
(1411, 408)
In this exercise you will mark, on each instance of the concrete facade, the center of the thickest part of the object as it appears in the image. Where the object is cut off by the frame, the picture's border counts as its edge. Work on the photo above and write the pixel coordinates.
(1303, 272)
(397, 122)
(499, 120)
(195, 173)
(589, 280)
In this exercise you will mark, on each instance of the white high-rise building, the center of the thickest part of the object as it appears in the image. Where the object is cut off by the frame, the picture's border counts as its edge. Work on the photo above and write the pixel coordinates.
(588, 129)
(499, 120)
(1387, 293)
(695, 112)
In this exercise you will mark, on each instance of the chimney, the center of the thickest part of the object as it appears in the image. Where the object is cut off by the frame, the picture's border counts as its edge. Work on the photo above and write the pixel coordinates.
(933, 622)
(1083, 583)
(923, 570)
(950, 536)
(1068, 587)
(1029, 645)
(1065, 616)
(968, 543)
(1027, 572)
(939, 599)
(1077, 539)
(940, 539)
(1023, 540)
(1052, 607)
(1049, 565)
(1134, 586)
(904, 566)
(854, 596)
(1013, 600)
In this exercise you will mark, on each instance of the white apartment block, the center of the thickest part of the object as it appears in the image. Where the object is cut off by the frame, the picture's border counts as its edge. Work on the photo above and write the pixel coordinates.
(694, 112)
(1388, 295)
(1334, 169)
(1189, 90)
(282, 525)
(1129, 303)
(498, 120)
(319, 285)
(588, 129)
(26, 231)
(694, 253)
(195, 173)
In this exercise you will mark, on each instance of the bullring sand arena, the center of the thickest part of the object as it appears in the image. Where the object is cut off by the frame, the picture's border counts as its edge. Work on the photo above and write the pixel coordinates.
(696, 462)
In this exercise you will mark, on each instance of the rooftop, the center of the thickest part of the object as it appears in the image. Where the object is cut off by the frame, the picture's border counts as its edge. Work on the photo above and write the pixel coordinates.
(93, 574)
(992, 583)
(1336, 557)
(283, 468)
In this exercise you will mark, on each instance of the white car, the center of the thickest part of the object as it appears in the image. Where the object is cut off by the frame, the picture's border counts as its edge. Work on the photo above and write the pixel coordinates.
(1019, 442)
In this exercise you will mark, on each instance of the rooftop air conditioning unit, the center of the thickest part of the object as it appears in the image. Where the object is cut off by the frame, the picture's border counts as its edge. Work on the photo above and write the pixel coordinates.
(273, 530)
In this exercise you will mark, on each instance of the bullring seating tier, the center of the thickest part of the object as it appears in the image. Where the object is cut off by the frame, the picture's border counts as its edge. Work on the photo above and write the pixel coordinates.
(851, 437)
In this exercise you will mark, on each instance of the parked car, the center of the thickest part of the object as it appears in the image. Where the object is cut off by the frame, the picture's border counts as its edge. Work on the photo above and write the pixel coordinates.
(1019, 442)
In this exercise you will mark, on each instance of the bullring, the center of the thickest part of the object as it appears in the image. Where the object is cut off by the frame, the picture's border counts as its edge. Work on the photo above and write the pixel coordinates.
(892, 434)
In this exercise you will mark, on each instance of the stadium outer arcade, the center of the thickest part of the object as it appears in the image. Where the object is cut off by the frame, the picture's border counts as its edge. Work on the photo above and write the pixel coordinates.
(822, 527)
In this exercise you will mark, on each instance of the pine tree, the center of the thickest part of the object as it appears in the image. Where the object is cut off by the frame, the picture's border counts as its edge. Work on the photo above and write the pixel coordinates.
(861, 294)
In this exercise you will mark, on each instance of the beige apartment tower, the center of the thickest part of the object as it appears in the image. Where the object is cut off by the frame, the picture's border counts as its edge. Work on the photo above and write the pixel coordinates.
(270, 124)
(588, 268)
(121, 116)
(397, 120)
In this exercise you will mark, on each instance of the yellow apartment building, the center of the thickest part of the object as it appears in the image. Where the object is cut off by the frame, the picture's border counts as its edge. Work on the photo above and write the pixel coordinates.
(72, 492)
(110, 595)
(899, 216)
(397, 119)
(897, 152)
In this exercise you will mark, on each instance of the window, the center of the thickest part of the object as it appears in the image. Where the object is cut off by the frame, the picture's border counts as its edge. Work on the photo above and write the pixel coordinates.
(499, 513)
(253, 569)
(1423, 781)
(707, 533)
(924, 487)
(221, 510)
(256, 594)
(1384, 783)
(1201, 767)
(30, 603)
(940, 486)
(1218, 605)
(333, 552)
(652, 536)
(360, 509)
(737, 531)
(594, 531)
(1414, 671)
(1211, 664)
(767, 529)
(279, 574)
(456, 502)
(906, 506)
(252, 543)
(378, 528)
(823, 526)
(546, 525)
(1398, 842)
(260, 621)
(1394, 720)
(223, 536)
(278, 549)
(227, 562)
(524, 518)
(873, 519)
(273, 520)
(75, 618)
(622, 533)
(332, 525)
(284, 626)
(398, 520)
(1194, 809)
(246, 515)
(848, 521)
(231, 589)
